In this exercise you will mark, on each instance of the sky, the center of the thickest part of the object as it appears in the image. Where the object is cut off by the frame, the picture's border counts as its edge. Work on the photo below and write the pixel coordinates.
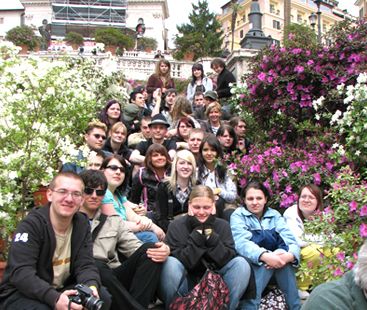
(179, 11)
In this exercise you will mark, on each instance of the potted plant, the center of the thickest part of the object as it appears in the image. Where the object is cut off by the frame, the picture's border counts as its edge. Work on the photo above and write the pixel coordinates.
(46, 106)
(74, 39)
(147, 44)
(24, 37)
(113, 38)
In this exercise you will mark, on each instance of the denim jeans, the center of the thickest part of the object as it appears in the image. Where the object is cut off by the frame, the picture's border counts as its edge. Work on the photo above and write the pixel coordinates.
(146, 236)
(286, 281)
(236, 274)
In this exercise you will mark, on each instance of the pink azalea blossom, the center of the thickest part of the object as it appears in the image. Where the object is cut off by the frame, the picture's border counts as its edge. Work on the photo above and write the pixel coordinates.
(261, 76)
(363, 211)
(338, 272)
(363, 230)
(353, 206)
(350, 265)
(340, 256)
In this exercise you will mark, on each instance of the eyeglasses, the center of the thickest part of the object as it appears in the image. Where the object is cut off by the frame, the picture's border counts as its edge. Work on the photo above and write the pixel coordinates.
(98, 136)
(115, 168)
(90, 191)
(64, 193)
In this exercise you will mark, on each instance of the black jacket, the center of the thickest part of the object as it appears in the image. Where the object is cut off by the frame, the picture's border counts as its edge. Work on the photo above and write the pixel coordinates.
(224, 78)
(189, 246)
(164, 194)
(29, 269)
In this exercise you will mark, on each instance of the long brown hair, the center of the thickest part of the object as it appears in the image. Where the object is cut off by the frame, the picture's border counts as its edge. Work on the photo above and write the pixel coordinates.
(156, 148)
(166, 76)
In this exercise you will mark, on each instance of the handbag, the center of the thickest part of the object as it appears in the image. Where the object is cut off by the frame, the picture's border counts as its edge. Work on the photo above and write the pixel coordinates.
(210, 293)
(273, 300)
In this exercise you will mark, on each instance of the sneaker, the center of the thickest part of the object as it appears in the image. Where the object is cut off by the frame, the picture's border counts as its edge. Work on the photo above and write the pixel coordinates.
(303, 294)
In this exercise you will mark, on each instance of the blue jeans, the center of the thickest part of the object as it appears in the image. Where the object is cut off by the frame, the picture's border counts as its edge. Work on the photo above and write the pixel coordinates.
(146, 236)
(236, 274)
(286, 281)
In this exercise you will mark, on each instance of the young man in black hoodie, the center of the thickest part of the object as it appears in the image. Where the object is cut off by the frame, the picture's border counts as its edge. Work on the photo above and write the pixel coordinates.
(51, 252)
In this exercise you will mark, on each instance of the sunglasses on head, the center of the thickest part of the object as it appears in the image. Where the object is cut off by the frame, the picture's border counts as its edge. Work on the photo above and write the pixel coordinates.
(115, 168)
(98, 136)
(90, 191)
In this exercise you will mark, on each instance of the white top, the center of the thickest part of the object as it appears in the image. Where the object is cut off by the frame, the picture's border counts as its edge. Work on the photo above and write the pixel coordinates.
(295, 224)
(228, 187)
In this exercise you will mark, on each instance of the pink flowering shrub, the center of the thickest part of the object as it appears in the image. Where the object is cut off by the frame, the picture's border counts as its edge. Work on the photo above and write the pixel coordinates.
(342, 227)
(284, 81)
(284, 169)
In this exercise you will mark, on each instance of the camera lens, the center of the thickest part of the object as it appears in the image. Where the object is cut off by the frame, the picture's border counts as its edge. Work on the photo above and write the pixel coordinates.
(93, 303)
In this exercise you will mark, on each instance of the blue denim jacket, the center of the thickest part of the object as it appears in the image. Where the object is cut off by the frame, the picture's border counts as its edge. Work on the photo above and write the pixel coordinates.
(255, 236)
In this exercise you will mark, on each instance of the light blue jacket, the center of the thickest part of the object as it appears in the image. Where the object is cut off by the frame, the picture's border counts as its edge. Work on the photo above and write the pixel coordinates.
(244, 224)
(207, 83)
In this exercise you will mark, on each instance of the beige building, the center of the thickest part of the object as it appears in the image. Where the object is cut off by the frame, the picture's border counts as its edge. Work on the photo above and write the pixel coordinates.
(273, 17)
(362, 5)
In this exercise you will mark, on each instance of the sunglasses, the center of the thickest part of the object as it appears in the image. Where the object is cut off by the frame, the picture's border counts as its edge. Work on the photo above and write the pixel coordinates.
(98, 136)
(115, 168)
(90, 191)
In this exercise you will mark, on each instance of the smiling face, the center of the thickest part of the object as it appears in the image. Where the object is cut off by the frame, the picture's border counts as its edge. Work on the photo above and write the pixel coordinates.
(115, 177)
(92, 201)
(114, 112)
(307, 202)
(118, 136)
(158, 131)
(95, 138)
(197, 73)
(202, 208)
(158, 160)
(226, 140)
(139, 100)
(66, 197)
(209, 153)
(184, 168)
(255, 201)
(214, 115)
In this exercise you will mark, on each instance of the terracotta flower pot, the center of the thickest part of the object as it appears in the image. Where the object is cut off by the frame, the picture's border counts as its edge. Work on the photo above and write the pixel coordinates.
(40, 197)
(24, 49)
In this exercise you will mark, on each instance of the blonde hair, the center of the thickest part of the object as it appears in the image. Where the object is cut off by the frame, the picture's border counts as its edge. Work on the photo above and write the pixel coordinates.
(117, 126)
(201, 191)
(189, 157)
(212, 106)
(96, 124)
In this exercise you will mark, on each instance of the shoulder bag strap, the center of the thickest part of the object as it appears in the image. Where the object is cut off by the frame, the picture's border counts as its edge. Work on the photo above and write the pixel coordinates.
(102, 220)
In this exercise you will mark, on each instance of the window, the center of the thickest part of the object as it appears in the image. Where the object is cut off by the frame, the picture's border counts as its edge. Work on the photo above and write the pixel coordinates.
(276, 24)
(244, 18)
(272, 8)
(299, 18)
(361, 13)
(241, 34)
(1, 20)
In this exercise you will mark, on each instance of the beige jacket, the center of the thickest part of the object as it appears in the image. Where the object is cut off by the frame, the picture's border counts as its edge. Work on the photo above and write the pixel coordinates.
(113, 238)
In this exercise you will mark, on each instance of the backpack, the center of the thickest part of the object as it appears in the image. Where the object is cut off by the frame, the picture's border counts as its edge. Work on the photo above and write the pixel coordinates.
(273, 300)
(210, 293)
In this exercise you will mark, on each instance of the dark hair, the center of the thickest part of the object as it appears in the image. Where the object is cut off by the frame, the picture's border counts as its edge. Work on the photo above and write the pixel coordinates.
(235, 120)
(156, 148)
(65, 174)
(187, 121)
(221, 131)
(317, 192)
(259, 186)
(217, 62)
(122, 161)
(94, 178)
(220, 169)
(196, 66)
(103, 114)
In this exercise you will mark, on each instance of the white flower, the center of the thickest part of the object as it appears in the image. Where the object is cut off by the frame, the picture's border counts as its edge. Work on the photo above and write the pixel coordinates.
(362, 78)
(335, 117)
(317, 116)
(12, 175)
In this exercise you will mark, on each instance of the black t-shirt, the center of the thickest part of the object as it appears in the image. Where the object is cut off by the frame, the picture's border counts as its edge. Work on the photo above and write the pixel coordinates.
(142, 146)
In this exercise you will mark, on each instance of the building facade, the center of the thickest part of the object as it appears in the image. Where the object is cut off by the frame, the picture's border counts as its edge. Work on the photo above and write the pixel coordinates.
(84, 16)
(273, 18)
(362, 6)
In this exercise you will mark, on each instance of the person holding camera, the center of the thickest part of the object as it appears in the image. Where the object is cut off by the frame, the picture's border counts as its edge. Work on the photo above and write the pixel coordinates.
(51, 252)
(129, 269)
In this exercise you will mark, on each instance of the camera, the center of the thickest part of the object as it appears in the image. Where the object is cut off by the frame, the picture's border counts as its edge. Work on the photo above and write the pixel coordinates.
(85, 298)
